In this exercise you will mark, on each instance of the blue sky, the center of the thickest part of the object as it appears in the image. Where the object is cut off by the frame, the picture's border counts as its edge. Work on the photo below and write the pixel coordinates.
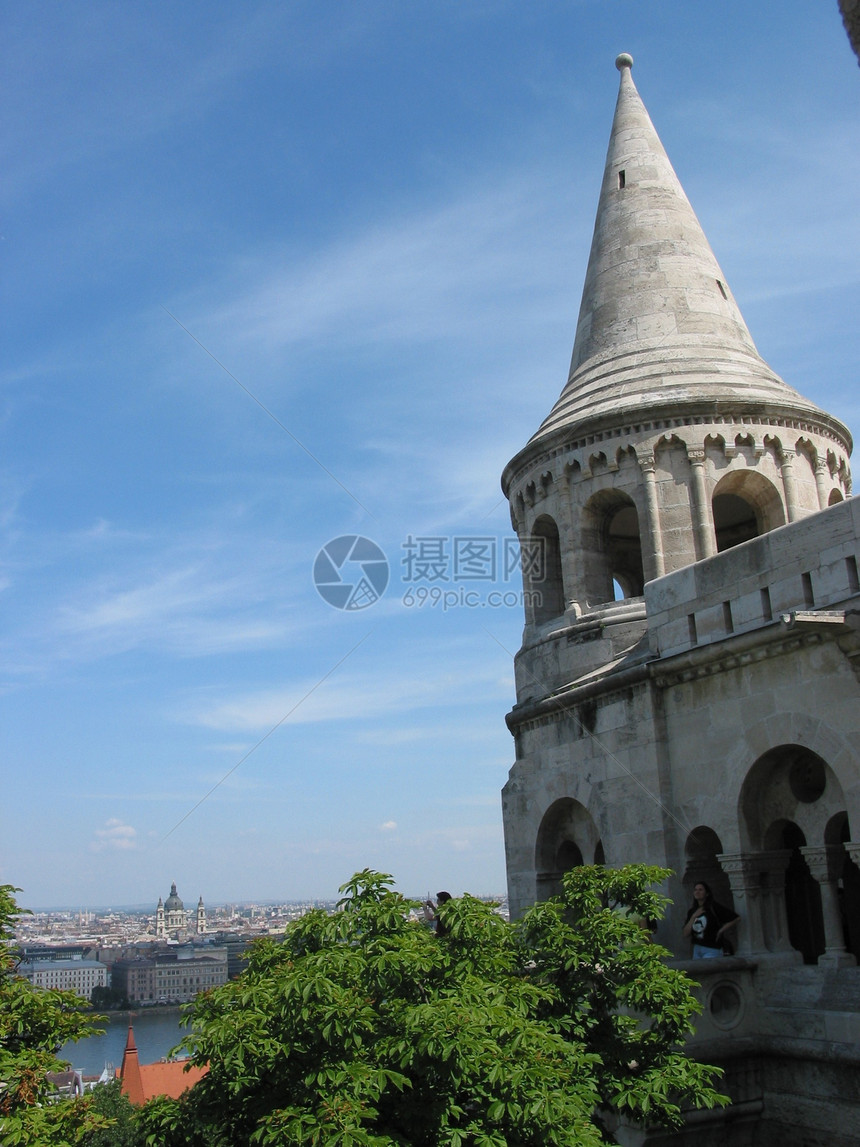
(375, 217)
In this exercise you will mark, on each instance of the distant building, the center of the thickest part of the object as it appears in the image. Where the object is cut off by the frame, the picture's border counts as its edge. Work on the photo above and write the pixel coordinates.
(54, 951)
(171, 919)
(238, 949)
(173, 976)
(66, 974)
(66, 1084)
(141, 1082)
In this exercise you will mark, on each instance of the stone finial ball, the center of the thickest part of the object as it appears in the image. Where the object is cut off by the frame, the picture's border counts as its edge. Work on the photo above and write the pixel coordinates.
(625, 60)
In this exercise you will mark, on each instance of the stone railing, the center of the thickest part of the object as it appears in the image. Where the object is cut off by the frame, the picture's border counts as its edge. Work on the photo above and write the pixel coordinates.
(807, 568)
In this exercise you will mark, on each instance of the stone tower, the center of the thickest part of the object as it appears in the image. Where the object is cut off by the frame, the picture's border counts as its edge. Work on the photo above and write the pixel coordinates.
(201, 917)
(687, 686)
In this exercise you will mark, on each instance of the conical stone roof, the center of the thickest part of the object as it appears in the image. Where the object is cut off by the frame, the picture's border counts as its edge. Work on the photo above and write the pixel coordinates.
(659, 333)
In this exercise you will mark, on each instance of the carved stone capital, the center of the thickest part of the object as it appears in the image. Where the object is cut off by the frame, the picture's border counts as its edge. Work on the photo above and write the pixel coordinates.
(742, 869)
(752, 873)
(824, 862)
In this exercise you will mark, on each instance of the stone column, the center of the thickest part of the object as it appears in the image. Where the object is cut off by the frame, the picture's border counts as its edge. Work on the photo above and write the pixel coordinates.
(758, 882)
(744, 875)
(786, 465)
(774, 865)
(573, 575)
(821, 471)
(703, 526)
(652, 514)
(825, 864)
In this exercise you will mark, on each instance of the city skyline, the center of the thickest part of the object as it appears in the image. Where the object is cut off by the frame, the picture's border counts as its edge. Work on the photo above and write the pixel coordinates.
(289, 274)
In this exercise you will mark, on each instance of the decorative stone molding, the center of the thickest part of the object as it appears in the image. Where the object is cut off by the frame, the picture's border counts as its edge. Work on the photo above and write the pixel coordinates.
(773, 645)
(824, 862)
(654, 429)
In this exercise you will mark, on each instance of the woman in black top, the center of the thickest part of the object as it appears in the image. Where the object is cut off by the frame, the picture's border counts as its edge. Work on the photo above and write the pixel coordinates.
(707, 923)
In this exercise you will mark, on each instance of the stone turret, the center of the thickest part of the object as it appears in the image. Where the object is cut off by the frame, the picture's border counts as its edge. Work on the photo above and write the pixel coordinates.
(688, 688)
(672, 438)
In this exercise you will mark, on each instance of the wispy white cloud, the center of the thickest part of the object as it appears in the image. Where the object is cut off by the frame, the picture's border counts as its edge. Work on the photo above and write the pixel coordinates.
(443, 272)
(180, 610)
(115, 836)
(349, 697)
(148, 602)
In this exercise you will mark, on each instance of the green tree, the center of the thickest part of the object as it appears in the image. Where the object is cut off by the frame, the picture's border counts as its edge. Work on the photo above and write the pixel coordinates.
(34, 1024)
(365, 1029)
(123, 1129)
(109, 999)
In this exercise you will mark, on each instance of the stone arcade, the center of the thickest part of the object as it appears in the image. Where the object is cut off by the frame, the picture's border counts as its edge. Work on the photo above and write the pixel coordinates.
(689, 678)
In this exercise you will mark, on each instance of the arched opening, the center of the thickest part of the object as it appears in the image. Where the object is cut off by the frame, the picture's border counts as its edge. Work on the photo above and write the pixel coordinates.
(802, 894)
(568, 855)
(788, 783)
(546, 581)
(702, 848)
(624, 550)
(745, 505)
(788, 799)
(735, 521)
(835, 496)
(612, 548)
(566, 835)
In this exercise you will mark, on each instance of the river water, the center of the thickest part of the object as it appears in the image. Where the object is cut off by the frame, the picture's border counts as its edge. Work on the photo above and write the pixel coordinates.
(155, 1033)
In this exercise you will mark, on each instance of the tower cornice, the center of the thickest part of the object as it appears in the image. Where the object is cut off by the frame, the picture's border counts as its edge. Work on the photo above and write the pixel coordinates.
(656, 423)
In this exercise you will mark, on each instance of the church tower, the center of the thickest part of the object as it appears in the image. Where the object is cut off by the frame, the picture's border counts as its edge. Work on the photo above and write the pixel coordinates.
(688, 687)
(201, 917)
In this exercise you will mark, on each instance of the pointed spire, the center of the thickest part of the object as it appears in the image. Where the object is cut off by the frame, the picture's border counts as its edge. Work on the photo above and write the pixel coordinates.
(658, 327)
(129, 1073)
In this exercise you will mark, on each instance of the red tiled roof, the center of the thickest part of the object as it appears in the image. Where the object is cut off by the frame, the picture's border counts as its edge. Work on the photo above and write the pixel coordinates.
(143, 1081)
(169, 1079)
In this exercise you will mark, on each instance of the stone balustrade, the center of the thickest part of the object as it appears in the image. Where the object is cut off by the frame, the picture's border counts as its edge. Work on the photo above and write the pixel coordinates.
(810, 566)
